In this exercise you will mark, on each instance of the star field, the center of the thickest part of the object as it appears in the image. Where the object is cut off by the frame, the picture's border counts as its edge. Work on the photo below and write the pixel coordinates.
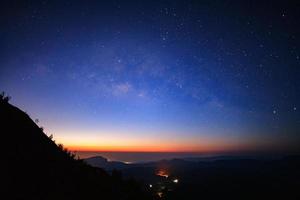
(162, 75)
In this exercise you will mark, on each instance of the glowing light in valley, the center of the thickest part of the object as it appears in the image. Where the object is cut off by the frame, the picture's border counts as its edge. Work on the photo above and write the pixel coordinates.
(162, 173)
(160, 194)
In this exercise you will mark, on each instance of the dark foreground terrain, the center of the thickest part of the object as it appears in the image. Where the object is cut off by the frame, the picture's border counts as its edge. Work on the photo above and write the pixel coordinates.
(215, 178)
(34, 167)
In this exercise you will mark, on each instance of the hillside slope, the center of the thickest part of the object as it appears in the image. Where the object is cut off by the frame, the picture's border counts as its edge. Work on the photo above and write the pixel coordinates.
(34, 167)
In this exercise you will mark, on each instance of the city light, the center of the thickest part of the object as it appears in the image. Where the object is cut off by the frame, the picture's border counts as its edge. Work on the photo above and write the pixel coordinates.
(162, 173)
(160, 194)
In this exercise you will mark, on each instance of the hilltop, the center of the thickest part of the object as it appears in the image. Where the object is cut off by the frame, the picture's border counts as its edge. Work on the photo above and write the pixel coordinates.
(35, 167)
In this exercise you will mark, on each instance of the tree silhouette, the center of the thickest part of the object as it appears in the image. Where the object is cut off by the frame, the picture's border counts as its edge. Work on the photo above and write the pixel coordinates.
(4, 98)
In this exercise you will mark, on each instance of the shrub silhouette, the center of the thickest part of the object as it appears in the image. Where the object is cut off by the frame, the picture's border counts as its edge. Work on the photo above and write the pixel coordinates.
(50, 137)
(4, 98)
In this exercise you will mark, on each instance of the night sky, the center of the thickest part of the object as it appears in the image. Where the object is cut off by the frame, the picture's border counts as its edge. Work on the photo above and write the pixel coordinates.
(204, 76)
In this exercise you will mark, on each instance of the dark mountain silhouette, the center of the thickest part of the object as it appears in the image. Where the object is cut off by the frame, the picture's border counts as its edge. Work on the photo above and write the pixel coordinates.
(34, 167)
(238, 179)
(221, 177)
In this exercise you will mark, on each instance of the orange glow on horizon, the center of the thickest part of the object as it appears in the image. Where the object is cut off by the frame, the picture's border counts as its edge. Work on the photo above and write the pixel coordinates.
(205, 148)
(115, 141)
(124, 143)
(128, 149)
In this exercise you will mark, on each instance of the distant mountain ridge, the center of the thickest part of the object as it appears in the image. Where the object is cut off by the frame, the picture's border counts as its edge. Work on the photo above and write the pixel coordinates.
(221, 177)
(101, 162)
